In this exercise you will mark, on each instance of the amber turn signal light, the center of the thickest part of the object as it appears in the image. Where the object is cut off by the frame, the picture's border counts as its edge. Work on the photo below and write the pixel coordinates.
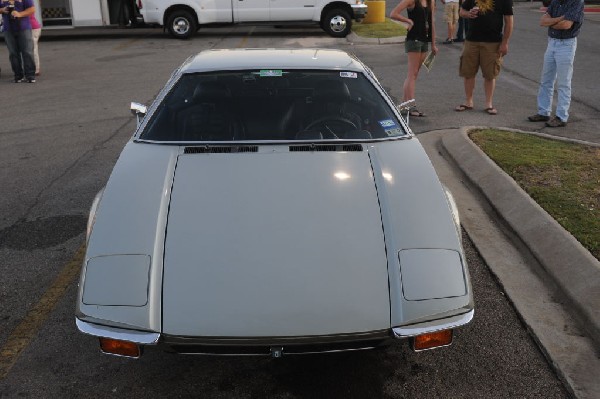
(120, 348)
(432, 340)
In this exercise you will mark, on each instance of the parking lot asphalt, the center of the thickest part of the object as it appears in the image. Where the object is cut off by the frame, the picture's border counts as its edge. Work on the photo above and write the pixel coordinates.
(569, 272)
(569, 268)
(556, 274)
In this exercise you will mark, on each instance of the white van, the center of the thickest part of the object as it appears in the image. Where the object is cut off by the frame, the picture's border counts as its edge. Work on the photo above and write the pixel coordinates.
(183, 18)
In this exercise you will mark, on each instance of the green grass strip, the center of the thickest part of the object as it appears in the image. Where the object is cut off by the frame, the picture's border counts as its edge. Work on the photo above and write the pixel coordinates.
(381, 30)
(563, 178)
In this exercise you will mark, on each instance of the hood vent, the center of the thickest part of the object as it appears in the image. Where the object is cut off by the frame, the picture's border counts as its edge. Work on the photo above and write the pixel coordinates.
(220, 149)
(327, 147)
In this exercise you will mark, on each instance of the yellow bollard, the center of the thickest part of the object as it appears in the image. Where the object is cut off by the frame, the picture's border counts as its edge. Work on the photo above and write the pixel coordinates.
(375, 12)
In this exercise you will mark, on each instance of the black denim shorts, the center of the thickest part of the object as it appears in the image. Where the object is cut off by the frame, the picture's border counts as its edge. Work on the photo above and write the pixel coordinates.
(416, 46)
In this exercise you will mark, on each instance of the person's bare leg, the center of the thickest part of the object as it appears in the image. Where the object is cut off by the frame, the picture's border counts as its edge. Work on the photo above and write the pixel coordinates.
(414, 65)
(451, 29)
(469, 89)
(488, 86)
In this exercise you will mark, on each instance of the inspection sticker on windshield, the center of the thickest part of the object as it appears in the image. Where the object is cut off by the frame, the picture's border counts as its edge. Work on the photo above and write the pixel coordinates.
(352, 75)
(271, 72)
(387, 123)
(390, 127)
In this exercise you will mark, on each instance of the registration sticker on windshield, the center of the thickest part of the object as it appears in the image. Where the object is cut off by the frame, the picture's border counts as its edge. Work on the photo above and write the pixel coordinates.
(390, 127)
(271, 72)
(387, 124)
(352, 75)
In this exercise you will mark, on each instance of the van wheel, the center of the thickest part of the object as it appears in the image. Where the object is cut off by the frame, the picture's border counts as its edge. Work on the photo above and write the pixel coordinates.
(336, 22)
(181, 24)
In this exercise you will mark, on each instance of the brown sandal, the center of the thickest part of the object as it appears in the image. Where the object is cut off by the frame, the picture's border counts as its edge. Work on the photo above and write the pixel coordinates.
(463, 107)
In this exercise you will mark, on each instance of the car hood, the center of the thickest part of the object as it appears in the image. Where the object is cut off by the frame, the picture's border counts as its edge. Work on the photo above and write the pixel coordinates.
(274, 244)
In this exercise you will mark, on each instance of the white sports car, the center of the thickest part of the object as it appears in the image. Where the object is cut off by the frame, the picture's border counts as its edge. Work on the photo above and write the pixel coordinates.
(272, 202)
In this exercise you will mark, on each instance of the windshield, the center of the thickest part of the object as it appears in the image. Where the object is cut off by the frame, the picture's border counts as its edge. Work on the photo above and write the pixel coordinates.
(272, 105)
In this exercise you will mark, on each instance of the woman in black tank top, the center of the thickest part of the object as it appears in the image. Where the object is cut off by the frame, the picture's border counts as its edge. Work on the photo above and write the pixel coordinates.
(421, 31)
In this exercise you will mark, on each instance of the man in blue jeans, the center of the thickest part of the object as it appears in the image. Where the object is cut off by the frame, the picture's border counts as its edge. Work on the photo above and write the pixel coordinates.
(17, 35)
(563, 19)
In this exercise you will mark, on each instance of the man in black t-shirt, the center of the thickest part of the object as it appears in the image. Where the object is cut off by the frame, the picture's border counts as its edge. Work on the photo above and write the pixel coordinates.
(490, 28)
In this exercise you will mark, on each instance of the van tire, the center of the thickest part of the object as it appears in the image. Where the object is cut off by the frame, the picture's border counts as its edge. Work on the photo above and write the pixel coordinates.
(181, 24)
(336, 22)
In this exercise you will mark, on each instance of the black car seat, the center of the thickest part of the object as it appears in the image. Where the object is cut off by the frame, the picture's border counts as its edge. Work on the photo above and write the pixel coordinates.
(210, 116)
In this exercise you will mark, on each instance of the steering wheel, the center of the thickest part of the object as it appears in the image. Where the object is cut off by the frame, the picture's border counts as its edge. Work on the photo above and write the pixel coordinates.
(329, 123)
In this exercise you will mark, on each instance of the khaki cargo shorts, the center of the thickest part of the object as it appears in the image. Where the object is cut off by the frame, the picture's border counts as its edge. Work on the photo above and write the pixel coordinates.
(451, 12)
(482, 55)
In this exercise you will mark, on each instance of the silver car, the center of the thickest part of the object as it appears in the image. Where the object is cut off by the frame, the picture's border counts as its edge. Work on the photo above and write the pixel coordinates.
(272, 202)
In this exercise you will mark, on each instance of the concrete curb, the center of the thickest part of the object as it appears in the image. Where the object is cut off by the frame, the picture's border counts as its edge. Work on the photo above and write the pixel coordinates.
(83, 33)
(354, 38)
(113, 32)
(574, 270)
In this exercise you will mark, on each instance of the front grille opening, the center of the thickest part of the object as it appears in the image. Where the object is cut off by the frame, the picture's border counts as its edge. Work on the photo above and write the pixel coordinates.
(266, 350)
(207, 149)
(326, 147)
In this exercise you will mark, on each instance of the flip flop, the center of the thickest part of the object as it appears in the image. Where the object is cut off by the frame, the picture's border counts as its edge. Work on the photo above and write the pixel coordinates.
(491, 111)
(416, 112)
(463, 107)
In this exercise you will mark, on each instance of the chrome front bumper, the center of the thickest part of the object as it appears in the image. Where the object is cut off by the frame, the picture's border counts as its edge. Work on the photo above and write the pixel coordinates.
(242, 346)
(97, 330)
(272, 346)
(433, 326)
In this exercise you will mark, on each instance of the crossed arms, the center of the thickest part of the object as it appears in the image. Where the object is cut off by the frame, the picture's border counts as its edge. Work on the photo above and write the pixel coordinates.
(556, 23)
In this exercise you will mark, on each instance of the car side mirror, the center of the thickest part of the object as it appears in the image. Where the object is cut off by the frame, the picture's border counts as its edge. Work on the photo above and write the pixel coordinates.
(405, 107)
(139, 111)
